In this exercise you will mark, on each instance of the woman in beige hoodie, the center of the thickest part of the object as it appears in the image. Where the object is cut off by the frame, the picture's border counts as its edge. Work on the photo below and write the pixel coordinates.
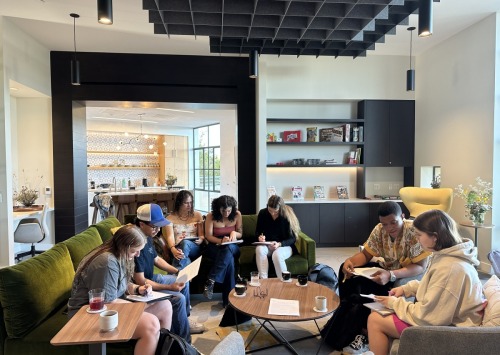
(450, 292)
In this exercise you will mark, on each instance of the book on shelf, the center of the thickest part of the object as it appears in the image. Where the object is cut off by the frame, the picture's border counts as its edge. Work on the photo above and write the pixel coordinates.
(271, 190)
(338, 134)
(342, 193)
(291, 136)
(319, 192)
(312, 134)
(331, 162)
(360, 134)
(347, 132)
(350, 158)
(297, 193)
(325, 134)
(355, 134)
(358, 155)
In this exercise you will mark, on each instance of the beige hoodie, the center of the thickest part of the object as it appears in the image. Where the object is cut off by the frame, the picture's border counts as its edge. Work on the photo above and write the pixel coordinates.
(449, 293)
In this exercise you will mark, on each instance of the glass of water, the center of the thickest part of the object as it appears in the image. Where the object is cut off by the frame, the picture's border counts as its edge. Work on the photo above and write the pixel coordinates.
(254, 278)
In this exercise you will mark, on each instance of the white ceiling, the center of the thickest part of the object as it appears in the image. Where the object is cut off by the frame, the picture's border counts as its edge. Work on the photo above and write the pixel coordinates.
(48, 22)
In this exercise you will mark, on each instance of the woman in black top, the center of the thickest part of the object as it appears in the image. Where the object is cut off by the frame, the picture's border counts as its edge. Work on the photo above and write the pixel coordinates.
(278, 225)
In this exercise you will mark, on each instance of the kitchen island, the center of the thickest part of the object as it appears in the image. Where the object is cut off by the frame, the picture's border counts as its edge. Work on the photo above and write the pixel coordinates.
(127, 201)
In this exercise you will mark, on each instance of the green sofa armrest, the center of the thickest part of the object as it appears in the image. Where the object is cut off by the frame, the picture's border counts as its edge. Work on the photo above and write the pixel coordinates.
(307, 248)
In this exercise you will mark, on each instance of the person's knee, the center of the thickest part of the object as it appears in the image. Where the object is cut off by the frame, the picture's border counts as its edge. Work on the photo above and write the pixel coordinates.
(149, 325)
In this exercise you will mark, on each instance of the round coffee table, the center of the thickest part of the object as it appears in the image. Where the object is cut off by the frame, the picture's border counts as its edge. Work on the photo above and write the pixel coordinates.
(256, 305)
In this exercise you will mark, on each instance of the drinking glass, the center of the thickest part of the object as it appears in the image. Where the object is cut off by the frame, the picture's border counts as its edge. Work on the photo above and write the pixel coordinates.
(254, 278)
(96, 299)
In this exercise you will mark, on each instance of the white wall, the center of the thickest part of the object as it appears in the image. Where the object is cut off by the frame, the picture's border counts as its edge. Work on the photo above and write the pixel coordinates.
(25, 61)
(455, 116)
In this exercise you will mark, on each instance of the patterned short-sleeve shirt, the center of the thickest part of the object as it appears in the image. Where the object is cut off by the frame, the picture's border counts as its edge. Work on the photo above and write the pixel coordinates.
(403, 251)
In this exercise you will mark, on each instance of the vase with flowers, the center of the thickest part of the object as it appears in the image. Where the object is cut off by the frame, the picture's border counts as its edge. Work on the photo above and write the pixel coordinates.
(28, 193)
(477, 200)
(170, 180)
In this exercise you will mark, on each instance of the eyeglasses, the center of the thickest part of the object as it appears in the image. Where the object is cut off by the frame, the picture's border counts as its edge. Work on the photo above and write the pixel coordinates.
(258, 292)
(152, 226)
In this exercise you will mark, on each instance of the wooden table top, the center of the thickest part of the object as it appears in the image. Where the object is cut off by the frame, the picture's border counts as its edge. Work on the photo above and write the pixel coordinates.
(476, 226)
(258, 307)
(83, 327)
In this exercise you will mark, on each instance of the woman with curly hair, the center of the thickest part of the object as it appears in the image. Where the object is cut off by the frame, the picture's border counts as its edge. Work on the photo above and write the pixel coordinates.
(110, 266)
(223, 224)
(276, 224)
(187, 224)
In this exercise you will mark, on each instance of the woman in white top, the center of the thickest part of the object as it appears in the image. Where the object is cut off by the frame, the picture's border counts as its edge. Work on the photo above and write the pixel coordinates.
(184, 237)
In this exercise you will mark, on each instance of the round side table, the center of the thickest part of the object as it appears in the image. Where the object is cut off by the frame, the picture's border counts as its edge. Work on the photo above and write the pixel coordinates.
(476, 227)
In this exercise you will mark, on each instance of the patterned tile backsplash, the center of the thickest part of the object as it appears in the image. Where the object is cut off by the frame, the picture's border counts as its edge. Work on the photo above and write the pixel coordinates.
(134, 159)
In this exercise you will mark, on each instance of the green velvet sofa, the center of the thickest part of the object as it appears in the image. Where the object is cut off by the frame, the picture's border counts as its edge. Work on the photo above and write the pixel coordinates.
(34, 294)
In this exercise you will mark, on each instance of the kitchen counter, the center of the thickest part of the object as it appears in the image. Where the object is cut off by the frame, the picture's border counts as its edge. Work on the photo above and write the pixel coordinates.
(127, 201)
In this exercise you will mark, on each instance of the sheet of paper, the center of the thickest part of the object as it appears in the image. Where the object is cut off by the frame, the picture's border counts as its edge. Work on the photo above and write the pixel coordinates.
(379, 308)
(238, 241)
(371, 295)
(283, 307)
(366, 271)
(262, 243)
(189, 271)
(154, 296)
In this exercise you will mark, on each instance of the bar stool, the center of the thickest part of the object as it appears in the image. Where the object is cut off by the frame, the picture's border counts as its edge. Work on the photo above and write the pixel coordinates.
(102, 203)
(125, 205)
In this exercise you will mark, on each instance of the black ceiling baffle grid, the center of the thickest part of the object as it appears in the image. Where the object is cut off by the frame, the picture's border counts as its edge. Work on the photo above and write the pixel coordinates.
(283, 27)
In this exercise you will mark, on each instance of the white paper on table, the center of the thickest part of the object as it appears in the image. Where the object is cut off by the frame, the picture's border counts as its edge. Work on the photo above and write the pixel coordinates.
(189, 271)
(283, 307)
(366, 271)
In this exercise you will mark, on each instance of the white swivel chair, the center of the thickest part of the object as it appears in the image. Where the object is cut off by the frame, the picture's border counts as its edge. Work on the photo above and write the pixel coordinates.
(31, 230)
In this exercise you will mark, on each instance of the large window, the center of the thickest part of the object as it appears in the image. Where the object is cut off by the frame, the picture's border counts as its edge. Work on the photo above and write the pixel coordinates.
(206, 166)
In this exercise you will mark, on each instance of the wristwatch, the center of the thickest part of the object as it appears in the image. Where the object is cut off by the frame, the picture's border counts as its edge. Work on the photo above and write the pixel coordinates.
(393, 276)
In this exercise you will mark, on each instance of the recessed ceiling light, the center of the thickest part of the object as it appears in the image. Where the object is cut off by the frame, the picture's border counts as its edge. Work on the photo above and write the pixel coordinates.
(120, 119)
(171, 109)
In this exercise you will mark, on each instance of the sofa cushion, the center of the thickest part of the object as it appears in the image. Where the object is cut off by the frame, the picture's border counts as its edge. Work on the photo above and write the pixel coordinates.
(249, 223)
(32, 289)
(81, 244)
(104, 227)
(491, 290)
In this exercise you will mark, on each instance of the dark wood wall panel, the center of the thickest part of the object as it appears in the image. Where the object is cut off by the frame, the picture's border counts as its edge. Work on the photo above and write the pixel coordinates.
(137, 77)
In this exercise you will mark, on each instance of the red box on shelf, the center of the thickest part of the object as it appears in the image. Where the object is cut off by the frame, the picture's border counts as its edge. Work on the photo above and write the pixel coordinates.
(291, 136)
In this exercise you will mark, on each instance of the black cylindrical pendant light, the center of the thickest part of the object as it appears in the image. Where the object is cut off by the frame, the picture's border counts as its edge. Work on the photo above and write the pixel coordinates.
(425, 18)
(254, 64)
(75, 66)
(410, 74)
(105, 12)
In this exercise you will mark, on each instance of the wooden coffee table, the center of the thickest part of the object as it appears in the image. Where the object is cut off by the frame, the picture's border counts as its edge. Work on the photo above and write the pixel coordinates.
(83, 327)
(258, 307)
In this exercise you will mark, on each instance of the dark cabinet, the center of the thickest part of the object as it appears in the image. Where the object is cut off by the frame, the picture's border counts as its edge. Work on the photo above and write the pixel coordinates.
(308, 216)
(389, 132)
(357, 226)
(331, 224)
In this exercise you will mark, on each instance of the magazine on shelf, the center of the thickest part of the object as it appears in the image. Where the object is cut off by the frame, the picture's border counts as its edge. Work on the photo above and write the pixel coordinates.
(291, 136)
(326, 135)
(319, 192)
(342, 193)
(297, 193)
(338, 134)
(312, 134)
(355, 134)
(271, 190)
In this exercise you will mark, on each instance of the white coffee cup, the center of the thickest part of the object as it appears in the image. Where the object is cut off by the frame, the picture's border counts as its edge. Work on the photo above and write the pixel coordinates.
(320, 303)
(108, 320)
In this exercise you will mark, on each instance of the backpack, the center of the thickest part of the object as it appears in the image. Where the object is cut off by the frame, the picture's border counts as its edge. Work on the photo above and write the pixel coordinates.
(324, 275)
(172, 344)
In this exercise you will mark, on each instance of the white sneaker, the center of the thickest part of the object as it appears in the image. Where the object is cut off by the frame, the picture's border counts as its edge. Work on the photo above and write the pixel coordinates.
(358, 346)
(196, 328)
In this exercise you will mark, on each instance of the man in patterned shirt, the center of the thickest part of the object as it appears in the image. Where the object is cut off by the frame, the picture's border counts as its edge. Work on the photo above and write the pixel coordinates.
(400, 256)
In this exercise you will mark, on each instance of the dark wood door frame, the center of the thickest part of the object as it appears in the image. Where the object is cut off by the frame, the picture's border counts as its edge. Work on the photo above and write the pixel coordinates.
(141, 77)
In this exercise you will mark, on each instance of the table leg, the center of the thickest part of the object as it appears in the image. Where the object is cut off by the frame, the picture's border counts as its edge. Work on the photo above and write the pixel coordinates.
(97, 349)
(475, 237)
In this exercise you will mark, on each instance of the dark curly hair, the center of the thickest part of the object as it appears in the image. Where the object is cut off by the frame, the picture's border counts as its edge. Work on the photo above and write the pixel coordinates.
(179, 200)
(224, 202)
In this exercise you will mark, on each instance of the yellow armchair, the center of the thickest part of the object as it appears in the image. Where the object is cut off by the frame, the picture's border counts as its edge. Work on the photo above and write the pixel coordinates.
(421, 199)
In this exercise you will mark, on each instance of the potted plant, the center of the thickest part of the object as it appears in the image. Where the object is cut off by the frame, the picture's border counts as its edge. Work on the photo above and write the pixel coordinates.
(477, 199)
(170, 180)
(27, 195)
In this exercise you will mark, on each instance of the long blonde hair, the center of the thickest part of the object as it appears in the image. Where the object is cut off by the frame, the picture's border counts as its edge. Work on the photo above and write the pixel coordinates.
(276, 202)
(126, 237)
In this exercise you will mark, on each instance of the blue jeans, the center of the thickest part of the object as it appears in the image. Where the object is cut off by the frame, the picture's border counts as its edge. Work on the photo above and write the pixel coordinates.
(180, 306)
(223, 270)
(191, 251)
